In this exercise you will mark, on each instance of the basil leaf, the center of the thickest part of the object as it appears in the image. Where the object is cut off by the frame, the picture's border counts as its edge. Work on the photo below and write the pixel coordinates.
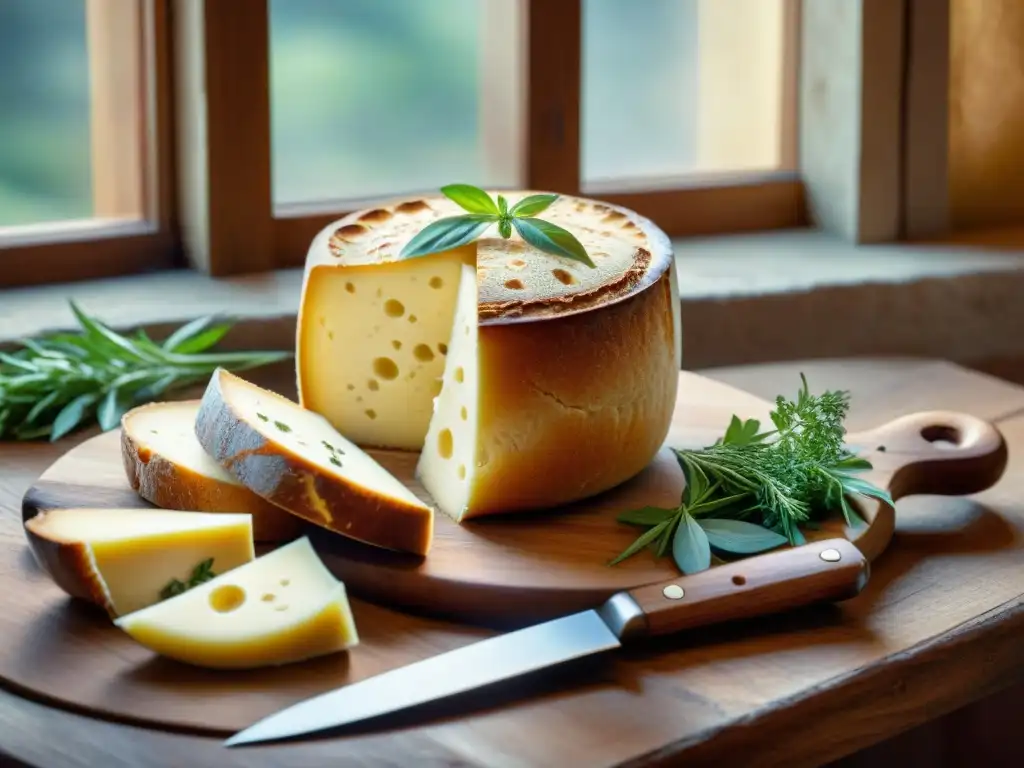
(532, 205)
(502, 206)
(472, 199)
(690, 547)
(552, 239)
(641, 541)
(71, 414)
(739, 537)
(646, 515)
(445, 234)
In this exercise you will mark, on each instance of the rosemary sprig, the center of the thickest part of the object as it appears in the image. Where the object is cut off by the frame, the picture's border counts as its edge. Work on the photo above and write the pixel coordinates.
(752, 491)
(64, 381)
(483, 212)
(202, 572)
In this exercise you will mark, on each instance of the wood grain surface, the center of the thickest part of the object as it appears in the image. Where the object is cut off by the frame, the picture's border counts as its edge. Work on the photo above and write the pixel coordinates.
(504, 571)
(937, 628)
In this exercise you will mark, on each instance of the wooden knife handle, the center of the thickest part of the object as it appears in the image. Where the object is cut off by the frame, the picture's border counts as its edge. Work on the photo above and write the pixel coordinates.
(829, 570)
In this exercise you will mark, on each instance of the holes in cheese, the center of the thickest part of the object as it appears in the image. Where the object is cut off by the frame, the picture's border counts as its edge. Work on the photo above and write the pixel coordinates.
(403, 404)
(515, 284)
(329, 481)
(394, 308)
(121, 559)
(214, 624)
(167, 467)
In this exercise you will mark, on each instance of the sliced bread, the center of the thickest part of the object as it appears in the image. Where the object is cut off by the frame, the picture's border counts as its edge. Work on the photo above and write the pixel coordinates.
(293, 457)
(167, 467)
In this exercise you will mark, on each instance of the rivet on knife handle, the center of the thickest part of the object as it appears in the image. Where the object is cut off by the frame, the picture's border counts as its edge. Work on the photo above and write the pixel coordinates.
(821, 571)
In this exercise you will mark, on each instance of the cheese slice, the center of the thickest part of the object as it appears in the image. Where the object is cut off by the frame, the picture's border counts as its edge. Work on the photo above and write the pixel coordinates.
(568, 376)
(167, 467)
(294, 458)
(281, 608)
(121, 559)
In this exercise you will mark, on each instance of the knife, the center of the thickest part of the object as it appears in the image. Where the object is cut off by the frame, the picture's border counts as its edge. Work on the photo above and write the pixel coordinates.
(829, 570)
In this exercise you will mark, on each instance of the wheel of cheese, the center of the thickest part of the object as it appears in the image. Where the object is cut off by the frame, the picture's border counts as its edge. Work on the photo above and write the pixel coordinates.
(526, 380)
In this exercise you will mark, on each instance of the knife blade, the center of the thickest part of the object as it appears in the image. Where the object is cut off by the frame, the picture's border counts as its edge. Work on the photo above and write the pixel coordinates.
(830, 570)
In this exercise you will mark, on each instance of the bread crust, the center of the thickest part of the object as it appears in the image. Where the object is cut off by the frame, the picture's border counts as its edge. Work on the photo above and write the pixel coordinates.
(68, 564)
(299, 485)
(169, 485)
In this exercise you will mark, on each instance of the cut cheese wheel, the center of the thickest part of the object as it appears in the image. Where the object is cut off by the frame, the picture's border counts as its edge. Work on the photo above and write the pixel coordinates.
(122, 559)
(281, 608)
(167, 467)
(293, 457)
(567, 373)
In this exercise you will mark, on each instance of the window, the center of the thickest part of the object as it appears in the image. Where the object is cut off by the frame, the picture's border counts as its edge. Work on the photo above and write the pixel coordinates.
(80, 180)
(282, 115)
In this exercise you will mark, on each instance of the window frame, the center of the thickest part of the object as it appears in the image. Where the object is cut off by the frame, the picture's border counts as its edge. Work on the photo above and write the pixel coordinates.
(208, 191)
(133, 229)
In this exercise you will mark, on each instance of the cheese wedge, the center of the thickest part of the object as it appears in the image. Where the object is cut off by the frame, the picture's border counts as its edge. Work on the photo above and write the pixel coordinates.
(568, 376)
(294, 458)
(167, 467)
(281, 608)
(121, 559)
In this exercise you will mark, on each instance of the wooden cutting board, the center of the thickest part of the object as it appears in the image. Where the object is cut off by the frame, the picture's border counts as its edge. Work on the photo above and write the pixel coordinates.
(497, 571)
(522, 568)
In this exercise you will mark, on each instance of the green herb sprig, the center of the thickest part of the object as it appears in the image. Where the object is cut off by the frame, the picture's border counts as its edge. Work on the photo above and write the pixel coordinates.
(202, 572)
(752, 491)
(64, 381)
(483, 212)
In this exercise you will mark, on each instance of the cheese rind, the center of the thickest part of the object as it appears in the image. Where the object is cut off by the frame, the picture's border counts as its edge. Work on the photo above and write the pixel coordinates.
(282, 608)
(121, 559)
(167, 467)
(294, 458)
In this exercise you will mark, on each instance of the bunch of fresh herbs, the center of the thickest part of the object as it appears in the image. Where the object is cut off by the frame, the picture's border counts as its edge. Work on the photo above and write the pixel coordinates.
(64, 381)
(483, 212)
(752, 491)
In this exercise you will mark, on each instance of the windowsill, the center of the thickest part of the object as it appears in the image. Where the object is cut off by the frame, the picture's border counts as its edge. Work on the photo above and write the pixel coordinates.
(745, 298)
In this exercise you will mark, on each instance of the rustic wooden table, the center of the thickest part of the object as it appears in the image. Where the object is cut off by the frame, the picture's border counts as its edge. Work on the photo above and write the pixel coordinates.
(937, 629)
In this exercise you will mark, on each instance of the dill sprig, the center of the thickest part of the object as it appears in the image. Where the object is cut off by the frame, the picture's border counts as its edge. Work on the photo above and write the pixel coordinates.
(752, 491)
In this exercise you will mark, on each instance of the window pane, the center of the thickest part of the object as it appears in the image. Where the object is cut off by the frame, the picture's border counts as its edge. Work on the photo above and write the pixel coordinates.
(673, 87)
(45, 162)
(381, 97)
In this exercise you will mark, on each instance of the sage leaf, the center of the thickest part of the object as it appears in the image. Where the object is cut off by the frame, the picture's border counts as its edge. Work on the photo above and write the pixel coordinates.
(196, 336)
(552, 239)
(104, 336)
(470, 198)
(690, 547)
(853, 463)
(531, 205)
(71, 414)
(641, 541)
(112, 409)
(739, 537)
(857, 485)
(448, 233)
(853, 520)
(646, 515)
(713, 506)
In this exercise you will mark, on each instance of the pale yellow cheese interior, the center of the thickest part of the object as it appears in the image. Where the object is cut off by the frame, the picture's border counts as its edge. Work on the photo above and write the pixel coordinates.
(137, 552)
(283, 607)
(383, 332)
